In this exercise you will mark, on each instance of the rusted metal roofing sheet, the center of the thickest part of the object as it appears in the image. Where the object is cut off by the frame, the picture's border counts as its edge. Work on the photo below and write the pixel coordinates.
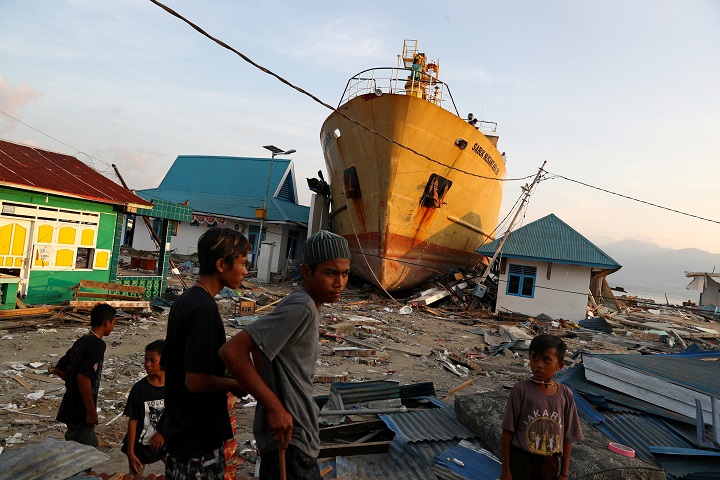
(51, 459)
(430, 424)
(30, 168)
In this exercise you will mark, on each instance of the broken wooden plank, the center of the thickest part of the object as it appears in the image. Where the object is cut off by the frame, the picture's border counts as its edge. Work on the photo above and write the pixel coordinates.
(267, 306)
(112, 303)
(22, 382)
(343, 377)
(27, 312)
(354, 352)
(457, 388)
(43, 378)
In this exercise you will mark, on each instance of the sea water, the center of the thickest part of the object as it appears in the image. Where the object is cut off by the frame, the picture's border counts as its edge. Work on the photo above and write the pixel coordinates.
(676, 295)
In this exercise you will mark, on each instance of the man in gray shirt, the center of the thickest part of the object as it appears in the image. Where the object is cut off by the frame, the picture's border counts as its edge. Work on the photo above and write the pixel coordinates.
(286, 417)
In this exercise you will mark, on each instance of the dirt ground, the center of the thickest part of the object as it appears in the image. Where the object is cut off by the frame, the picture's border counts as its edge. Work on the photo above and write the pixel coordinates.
(412, 343)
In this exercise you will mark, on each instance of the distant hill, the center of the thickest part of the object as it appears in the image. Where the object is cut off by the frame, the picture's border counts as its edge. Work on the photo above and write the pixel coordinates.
(657, 268)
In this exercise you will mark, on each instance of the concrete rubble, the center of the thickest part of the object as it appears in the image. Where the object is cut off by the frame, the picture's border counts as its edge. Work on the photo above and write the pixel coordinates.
(438, 349)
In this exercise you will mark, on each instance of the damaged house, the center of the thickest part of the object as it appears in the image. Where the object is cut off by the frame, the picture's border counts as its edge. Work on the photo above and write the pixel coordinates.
(547, 267)
(60, 223)
(230, 192)
(708, 287)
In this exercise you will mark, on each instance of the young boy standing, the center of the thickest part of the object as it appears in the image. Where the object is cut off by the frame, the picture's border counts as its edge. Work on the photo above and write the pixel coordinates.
(196, 417)
(286, 417)
(81, 368)
(144, 442)
(540, 422)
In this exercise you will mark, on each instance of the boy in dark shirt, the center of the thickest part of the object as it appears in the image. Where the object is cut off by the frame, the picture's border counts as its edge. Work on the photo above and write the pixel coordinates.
(196, 417)
(540, 422)
(81, 368)
(144, 442)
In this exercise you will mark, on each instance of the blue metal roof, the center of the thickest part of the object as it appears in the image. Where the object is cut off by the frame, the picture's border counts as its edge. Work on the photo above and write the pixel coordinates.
(688, 463)
(641, 432)
(236, 206)
(232, 186)
(430, 424)
(475, 465)
(552, 240)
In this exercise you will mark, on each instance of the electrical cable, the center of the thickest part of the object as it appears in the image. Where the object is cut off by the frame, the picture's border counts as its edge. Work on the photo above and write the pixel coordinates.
(555, 175)
(317, 100)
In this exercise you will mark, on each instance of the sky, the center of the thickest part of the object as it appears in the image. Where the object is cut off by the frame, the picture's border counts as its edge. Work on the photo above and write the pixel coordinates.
(615, 94)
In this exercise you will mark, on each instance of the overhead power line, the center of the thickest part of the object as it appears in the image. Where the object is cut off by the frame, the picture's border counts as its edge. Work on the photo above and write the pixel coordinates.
(555, 175)
(317, 100)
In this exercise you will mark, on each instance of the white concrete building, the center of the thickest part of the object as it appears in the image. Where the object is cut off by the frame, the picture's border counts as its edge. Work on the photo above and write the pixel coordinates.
(546, 267)
(707, 285)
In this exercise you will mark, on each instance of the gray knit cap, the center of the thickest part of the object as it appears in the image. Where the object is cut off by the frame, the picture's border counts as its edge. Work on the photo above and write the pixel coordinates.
(324, 245)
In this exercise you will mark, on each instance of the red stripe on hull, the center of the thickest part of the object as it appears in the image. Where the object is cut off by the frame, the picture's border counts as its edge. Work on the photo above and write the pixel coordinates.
(401, 262)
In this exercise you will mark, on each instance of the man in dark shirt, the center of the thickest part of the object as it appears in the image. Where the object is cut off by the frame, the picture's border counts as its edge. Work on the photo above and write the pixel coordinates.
(81, 368)
(196, 416)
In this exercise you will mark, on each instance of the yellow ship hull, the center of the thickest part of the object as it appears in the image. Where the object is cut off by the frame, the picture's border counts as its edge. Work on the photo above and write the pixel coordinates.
(401, 232)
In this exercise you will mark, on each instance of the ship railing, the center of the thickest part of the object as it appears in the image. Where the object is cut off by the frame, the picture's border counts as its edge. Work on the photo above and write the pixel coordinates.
(399, 81)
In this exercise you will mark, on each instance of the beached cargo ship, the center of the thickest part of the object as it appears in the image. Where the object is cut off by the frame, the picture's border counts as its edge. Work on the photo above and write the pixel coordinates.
(422, 193)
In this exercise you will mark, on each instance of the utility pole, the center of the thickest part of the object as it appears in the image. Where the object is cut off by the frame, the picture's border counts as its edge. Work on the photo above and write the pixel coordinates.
(527, 190)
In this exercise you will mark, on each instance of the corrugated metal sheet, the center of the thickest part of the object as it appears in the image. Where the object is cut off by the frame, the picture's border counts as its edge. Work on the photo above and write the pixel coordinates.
(30, 168)
(225, 175)
(51, 459)
(640, 432)
(551, 239)
(691, 371)
(689, 464)
(475, 465)
(430, 424)
(354, 393)
(607, 398)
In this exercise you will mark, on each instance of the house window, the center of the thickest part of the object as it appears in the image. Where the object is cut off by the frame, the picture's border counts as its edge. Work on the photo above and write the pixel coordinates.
(292, 246)
(84, 257)
(521, 280)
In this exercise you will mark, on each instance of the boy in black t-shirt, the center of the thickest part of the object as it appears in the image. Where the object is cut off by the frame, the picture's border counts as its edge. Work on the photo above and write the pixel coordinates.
(144, 442)
(81, 368)
(196, 416)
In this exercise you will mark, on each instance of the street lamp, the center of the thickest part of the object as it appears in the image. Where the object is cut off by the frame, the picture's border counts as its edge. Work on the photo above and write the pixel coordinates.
(275, 151)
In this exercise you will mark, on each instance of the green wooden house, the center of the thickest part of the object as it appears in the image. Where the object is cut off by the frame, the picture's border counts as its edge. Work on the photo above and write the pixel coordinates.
(62, 222)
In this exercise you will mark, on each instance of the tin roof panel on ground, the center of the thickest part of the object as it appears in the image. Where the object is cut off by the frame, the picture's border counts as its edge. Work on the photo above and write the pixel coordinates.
(474, 465)
(51, 458)
(607, 398)
(688, 463)
(696, 372)
(430, 424)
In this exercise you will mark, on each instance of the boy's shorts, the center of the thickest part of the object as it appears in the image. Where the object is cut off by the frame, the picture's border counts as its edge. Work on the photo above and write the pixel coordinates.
(208, 467)
(82, 433)
(530, 466)
(298, 465)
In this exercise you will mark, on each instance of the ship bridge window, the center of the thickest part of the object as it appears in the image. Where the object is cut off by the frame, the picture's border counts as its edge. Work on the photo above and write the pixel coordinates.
(435, 191)
(351, 183)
